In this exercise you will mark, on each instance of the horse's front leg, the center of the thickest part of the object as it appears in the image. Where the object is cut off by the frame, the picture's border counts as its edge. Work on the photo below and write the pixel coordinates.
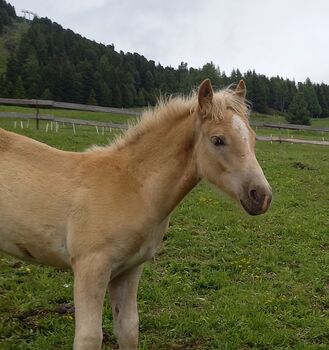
(123, 297)
(91, 278)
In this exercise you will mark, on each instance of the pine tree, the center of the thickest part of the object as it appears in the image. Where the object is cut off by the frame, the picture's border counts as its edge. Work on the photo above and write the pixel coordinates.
(105, 95)
(12, 72)
(19, 91)
(140, 100)
(298, 112)
(7, 14)
(116, 97)
(257, 91)
(311, 99)
(149, 81)
(127, 96)
(87, 75)
(209, 70)
(169, 80)
(322, 92)
(67, 82)
(3, 87)
(92, 98)
(31, 76)
(47, 95)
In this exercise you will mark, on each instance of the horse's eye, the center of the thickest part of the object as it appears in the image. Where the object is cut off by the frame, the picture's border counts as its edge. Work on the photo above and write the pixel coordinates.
(217, 141)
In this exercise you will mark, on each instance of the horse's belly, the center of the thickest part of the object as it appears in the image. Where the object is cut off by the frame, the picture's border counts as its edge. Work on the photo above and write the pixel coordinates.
(32, 227)
(45, 248)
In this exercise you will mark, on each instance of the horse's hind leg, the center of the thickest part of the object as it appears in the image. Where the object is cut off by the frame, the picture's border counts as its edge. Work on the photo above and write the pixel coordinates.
(91, 277)
(123, 297)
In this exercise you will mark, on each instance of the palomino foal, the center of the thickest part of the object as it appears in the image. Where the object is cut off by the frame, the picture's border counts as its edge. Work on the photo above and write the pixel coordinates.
(103, 212)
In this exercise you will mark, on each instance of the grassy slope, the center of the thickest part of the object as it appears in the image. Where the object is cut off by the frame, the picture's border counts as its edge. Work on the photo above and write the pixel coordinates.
(222, 280)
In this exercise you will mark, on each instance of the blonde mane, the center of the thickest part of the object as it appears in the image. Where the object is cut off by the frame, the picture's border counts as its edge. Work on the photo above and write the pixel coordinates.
(227, 99)
(171, 109)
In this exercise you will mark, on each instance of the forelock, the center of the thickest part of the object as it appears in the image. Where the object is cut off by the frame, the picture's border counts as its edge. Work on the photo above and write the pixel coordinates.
(227, 99)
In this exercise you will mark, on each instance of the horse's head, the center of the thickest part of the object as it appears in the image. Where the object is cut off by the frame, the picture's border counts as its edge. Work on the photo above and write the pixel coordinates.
(225, 149)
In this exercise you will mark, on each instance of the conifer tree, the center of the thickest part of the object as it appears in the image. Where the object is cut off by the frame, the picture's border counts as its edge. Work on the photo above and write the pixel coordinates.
(140, 100)
(47, 95)
(311, 99)
(116, 97)
(298, 112)
(92, 98)
(19, 91)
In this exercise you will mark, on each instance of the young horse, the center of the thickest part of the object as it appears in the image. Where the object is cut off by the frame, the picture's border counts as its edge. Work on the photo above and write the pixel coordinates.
(103, 212)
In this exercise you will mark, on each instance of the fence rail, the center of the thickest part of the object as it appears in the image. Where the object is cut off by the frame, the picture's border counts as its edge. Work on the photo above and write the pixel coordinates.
(290, 140)
(66, 105)
(52, 118)
(289, 126)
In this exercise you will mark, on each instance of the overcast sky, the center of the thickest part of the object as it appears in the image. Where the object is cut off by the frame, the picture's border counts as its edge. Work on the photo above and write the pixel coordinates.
(289, 38)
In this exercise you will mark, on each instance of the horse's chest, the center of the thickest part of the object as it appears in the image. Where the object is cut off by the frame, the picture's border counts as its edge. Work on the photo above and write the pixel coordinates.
(146, 248)
(153, 238)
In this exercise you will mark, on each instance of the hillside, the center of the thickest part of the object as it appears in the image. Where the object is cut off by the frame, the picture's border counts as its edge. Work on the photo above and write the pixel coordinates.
(9, 41)
(7, 14)
(46, 61)
(11, 30)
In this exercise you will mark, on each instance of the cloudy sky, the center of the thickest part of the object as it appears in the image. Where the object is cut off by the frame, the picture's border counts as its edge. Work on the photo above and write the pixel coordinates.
(289, 38)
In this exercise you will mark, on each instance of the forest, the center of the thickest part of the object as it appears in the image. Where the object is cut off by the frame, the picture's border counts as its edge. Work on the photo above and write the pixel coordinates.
(50, 62)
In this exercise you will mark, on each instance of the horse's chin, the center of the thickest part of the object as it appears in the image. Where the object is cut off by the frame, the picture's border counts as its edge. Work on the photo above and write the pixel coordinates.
(255, 210)
(249, 210)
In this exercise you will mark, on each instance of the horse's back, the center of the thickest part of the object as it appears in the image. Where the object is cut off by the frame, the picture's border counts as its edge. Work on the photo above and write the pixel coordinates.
(5, 140)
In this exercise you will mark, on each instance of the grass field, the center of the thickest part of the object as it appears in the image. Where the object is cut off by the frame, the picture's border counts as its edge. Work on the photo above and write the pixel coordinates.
(221, 280)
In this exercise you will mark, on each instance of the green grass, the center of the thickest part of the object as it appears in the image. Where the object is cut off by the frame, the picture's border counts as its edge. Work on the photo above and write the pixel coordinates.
(222, 279)
(284, 133)
(277, 119)
(321, 122)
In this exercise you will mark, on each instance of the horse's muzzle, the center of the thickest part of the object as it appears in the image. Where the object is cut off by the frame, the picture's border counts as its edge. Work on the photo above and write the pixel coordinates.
(257, 200)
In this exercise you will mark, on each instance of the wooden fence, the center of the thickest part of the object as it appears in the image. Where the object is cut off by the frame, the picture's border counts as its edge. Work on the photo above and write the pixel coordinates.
(288, 126)
(53, 104)
(52, 118)
(65, 105)
(291, 140)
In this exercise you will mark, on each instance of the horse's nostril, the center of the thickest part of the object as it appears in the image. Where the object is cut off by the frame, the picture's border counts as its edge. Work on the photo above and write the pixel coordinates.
(254, 196)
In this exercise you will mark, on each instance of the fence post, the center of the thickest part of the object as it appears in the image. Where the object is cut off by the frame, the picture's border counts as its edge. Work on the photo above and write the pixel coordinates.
(37, 117)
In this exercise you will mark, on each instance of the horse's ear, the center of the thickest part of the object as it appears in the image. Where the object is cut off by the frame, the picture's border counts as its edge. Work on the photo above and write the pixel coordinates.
(241, 89)
(205, 94)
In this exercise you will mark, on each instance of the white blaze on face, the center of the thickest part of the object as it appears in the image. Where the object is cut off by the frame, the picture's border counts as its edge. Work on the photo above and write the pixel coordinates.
(239, 125)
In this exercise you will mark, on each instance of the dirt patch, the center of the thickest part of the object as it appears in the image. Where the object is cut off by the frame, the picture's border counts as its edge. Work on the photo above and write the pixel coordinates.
(302, 166)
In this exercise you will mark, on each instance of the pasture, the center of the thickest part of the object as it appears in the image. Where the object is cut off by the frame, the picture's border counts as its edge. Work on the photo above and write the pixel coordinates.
(221, 280)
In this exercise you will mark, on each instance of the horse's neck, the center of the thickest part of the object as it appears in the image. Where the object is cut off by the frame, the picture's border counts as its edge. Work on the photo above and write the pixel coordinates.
(163, 159)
